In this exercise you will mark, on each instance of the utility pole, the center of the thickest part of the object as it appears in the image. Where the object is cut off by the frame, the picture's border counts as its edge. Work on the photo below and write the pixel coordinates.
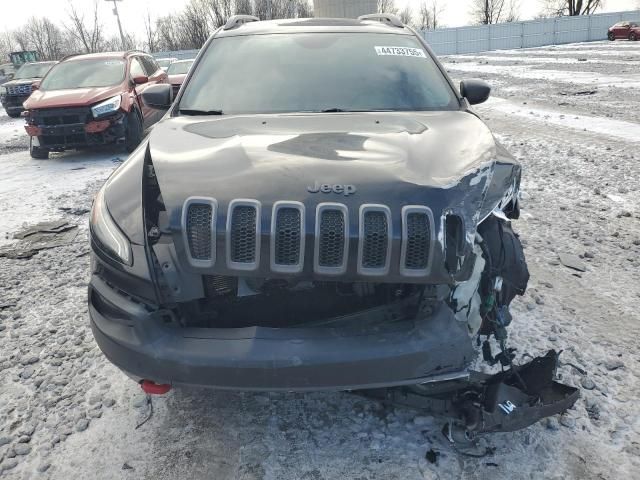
(117, 14)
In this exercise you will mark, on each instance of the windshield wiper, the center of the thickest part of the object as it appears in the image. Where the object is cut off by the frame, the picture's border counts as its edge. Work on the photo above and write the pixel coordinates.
(189, 111)
(332, 110)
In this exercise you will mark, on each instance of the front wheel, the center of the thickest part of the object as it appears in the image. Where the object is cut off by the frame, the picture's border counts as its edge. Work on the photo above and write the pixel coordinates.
(36, 150)
(633, 36)
(611, 36)
(134, 131)
(14, 114)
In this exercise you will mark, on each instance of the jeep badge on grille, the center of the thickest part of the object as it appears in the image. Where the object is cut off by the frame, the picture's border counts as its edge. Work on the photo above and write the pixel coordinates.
(346, 190)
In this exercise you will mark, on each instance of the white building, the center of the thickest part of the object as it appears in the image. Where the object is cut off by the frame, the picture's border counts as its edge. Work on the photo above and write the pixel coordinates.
(343, 8)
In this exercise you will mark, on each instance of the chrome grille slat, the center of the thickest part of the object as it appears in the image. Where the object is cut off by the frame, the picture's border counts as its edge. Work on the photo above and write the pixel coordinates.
(199, 230)
(332, 238)
(243, 234)
(374, 245)
(331, 246)
(417, 240)
(287, 237)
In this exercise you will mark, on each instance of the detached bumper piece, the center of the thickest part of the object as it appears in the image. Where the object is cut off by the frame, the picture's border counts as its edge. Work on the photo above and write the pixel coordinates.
(505, 402)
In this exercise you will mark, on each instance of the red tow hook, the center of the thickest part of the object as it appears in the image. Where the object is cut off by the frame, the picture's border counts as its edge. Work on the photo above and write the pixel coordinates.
(153, 388)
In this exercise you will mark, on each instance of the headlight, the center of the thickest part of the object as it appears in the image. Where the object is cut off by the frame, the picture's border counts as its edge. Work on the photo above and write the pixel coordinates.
(107, 233)
(106, 107)
(3, 90)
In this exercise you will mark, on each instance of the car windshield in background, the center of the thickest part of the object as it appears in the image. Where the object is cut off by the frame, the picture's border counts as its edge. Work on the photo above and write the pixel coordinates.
(84, 74)
(309, 72)
(34, 70)
(164, 62)
(178, 68)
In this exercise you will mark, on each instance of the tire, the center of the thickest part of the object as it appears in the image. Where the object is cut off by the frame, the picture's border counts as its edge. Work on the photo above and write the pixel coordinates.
(633, 36)
(14, 114)
(38, 152)
(611, 36)
(133, 131)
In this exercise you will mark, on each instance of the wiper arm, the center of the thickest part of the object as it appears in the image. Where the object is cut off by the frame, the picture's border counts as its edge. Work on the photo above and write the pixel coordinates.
(188, 111)
(332, 110)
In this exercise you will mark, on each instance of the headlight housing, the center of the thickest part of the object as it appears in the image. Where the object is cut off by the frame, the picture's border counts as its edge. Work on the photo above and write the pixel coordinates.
(108, 106)
(3, 90)
(107, 233)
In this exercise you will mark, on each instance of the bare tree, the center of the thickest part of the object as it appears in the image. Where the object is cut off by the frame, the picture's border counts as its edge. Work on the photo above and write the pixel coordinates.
(305, 9)
(488, 12)
(194, 27)
(151, 34)
(406, 15)
(42, 35)
(559, 8)
(429, 14)
(7, 45)
(21, 39)
(88, 33)
(387, 6)
(167, 29)
(244, 7)
(272, 9)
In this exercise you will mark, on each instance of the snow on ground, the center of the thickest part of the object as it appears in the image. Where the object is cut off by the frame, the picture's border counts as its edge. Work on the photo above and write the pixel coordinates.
(29, 188)
(65, 412)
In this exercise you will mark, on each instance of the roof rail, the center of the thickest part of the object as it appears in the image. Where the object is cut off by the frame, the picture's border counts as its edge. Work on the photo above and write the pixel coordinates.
(71, 55)
(236, 20)
(387, 18)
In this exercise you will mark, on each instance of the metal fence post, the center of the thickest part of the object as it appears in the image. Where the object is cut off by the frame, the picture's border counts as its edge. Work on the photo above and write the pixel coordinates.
(589, 37)
(457, 42)
(555, 31)
(521, 34)
(489, 37)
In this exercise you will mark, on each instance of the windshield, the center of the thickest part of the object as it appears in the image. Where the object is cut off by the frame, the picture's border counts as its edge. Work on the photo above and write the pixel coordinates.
(178, 68)
(309, 72)
(33, 70)
(84, 74)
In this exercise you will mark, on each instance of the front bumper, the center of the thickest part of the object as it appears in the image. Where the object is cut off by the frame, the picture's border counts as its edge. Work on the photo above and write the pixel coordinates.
(60, 129)
(352, 357)
(13, 103)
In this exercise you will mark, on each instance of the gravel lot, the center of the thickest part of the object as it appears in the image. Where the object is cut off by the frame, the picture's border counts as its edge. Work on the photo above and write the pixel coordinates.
(65, 412)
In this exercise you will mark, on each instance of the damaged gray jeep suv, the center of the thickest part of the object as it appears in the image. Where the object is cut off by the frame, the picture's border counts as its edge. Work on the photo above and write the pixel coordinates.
(319, 209)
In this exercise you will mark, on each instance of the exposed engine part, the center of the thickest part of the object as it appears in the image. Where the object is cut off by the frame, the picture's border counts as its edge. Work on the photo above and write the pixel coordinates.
(482, 403)
(234, 301)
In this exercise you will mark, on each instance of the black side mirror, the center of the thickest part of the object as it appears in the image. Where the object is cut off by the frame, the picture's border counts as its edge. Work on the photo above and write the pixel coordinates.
(158, 96)
(475, 91)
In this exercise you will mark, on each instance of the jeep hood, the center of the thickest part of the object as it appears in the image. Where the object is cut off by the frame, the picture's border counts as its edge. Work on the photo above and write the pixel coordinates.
(387, 156)
(74, 97)
(446, 160)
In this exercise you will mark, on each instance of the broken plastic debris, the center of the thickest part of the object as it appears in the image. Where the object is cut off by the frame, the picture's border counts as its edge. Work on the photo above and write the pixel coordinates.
(572, 261)
(41, 236)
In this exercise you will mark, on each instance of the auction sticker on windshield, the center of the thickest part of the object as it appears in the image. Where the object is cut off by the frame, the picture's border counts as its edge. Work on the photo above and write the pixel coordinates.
(401, 51)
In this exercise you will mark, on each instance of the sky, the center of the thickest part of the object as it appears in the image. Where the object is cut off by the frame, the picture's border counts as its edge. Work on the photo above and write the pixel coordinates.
(455, 14)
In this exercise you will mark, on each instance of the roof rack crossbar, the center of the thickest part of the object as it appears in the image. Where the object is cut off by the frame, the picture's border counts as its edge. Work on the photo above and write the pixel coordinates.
(236, 20)
(387, 18)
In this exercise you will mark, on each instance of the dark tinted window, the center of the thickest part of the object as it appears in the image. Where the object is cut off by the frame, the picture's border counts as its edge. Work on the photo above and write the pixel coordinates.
(84, 73)
(315, 72)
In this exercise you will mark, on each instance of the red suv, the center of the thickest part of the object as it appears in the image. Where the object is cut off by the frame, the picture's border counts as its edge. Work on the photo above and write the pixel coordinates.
(627, 30)
(91, 100)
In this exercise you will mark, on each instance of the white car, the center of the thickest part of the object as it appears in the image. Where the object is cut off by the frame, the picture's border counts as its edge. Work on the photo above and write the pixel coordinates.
(165, 62)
